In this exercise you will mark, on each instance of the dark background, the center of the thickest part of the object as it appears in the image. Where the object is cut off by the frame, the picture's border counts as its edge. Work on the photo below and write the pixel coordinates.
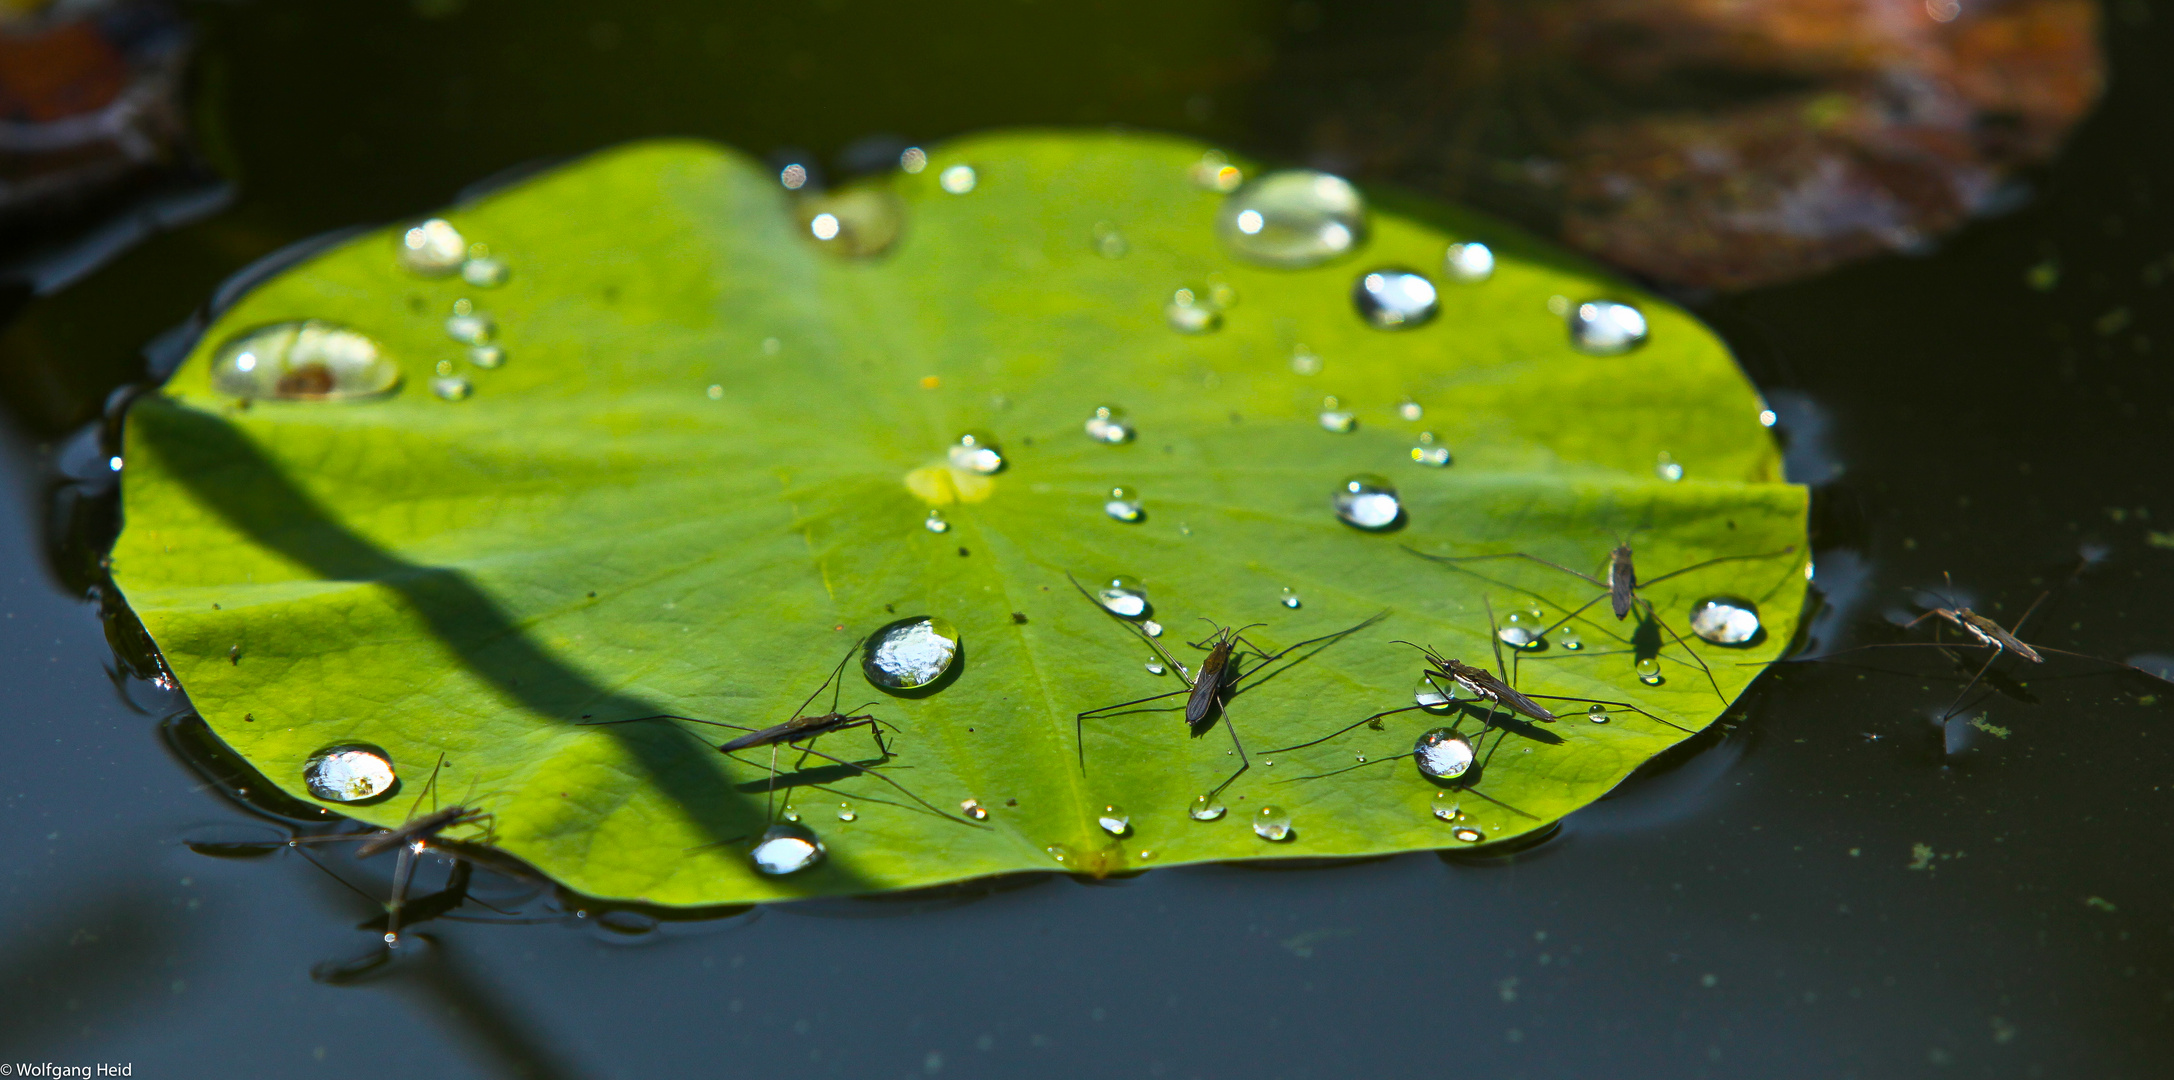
(1746, 908)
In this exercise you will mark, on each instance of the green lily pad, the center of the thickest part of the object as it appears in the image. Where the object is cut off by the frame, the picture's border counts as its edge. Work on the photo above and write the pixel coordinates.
(704, 471)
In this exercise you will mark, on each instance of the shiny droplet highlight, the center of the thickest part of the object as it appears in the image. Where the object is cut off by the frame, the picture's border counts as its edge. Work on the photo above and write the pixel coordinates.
(1725, 620)
(1114, 820)
(1123, 505)
(786, 848)
(1443, 754)
(910, 653)
(348, 773)
(1272, 823)
(1606, 328)
(1108, 425)
(1469, 262)
(1292, 219)
(1369, 502)
(1393, 299)
(311, 360)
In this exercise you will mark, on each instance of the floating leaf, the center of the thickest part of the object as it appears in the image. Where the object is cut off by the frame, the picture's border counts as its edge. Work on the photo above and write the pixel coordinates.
(706, 472)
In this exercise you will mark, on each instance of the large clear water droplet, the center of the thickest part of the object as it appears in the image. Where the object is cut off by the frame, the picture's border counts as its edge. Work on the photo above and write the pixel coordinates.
(311, 360)
(1429, 452)
(349, 772)
(854, 223)
(1597, 713)
(1114, 820)
(1392, 299)
(846, 812)
(958, 179)
(1725, 620)
(1443, 754)
(1521, 629)
(1154, 667)
(1606, 328)
(1368, 502)
(976, 452)
(910, 653)
(1292, 219)
(1190, 313)
(1468, 834)
(1468, 262)
(433, 248)
(1435, 697)
(1124, 596)
(972, 808)
(1123, 505)
(1649, 671)
(1334, 417)
(1205, 808)
(1272, 823)
(785, 849)
(1108, 425)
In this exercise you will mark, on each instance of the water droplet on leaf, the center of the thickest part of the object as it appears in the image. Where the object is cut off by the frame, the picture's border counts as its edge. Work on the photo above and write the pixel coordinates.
(1468, 262)
(349, 772)
(1151, 628)
(1188, 313)
(1123, 505)
(1467, 834)
(976, 452)
(786, 849)
(1649, 671)
(1215, 172)
(1337, 419)
(452, 387)
(1725, 620)
(1368, 502)
(1109, 243)
(1114, 820)
(489, 357)
(1272, 823)
(1433, 696)
(1392, 299)
(1108, 425)
(958, 179)
(845, 812)
(1304, 362)
(910, 653)
(1430, 453)
(935, 522)
(484, 272)
(1597, 713)
(433, 248)
(1606, 328)
(1290, 599)
(311, 360)
(972, 808)
(1521, 629)
(1293, 219)
(1205, 808)
(1667, 467)
(1124, 596)
(1445, 806)
(1443, 754)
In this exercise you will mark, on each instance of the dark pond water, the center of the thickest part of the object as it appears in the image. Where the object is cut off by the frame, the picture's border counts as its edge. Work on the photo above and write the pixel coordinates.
(1760, 907)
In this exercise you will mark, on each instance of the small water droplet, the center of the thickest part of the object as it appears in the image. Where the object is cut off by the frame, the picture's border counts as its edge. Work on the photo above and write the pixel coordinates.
(1445, 806)
(1304, 361)
(484, 272)
(1109, 243)
(855, 222)
(1725, 620)
(1368, 502)
(935, 522)
(491, 357)
(1443, 754)
(912, 159)
(1649, 671)
(1272, 823)
(469, 326)
(1155, 667)
(1337, 419)
(1667, 467)
(1108, 425)
(1429, 452)
(1114, 820)
(1468, 262)
(1393, 299)
(791, 813)
(1597, 714)
(793, 177)
(1060, 853)
(958, 179)
(1606, 328)
(444, 367)
(1215, 172)
(433, 248)
(1412, 410)
(114, 463)
(1767, 418)
(1123, 505)
(1566, 637)
(1433, 696)
(910, 653)
(1188, 313)
(452, 387)
(311, 360)
(1205, 808)
(1521, 629)
(1152, 628)
(1124, 596)
(716, 392)
(1467, 834)
(1147, 854)
(1362, 759)
(349, 772)
(972, 808)
(976, 452)
(786, 849)
(1292, 219)
(845, 812)
(1290, 599)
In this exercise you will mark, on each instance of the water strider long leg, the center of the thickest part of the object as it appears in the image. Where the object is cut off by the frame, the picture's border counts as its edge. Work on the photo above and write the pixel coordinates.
(1605, 701)
(1354, 725)
(1511, 555)
(1688, 650)
(1709, 562)
(403, 873)
(866, 771)
(1222, 710)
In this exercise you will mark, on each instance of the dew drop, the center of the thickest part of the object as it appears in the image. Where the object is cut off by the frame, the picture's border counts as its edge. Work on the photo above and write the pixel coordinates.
(490, 357)
(349, 772)
(1429, 452)
(910, 653)
(854, 223)
(1667, 467)
(1443, 754)
(1109, 243)
(972, 808)
(1767, 418)
(1566, 637)
(452, 387)
(1123, 596)
(845, 812)
(793, 177)
(1205, 808)
(1597, 714)
(1114, 820)
(935, 522)
(1292, 219)
(958, 179)
(1337, 419)
(786, 849)
(469, 326)
(791, 813)
(1155, 667)
(311, 360)
(1147, 854)
(1151, 628)
(976, 452)
(1433, 696)
(1304, 361)
(1060, 853)
(912, 159)
(1412, 410)
(1272, 823)
(483, 271)
(1393, 299)
(1725, 620)
(1188, 313)
(433, 248)
(1468, 262)
(1368, 502)
(1108, 425)
(1521, 629)
(1214, 172)
(1606, 328)
(1649, 671)
(1467, 834)
(1290, 599)
(1445, 806)
(1123, 505)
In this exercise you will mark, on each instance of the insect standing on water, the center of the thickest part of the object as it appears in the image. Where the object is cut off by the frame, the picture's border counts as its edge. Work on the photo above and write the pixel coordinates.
(1620, 589)
(800, 732)
(1208, 691)
(411, 838)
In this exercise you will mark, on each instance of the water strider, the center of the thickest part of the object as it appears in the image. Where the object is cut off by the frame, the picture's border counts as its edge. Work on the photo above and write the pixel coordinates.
(1620, 589)
(1208, 690)
(411, 838)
